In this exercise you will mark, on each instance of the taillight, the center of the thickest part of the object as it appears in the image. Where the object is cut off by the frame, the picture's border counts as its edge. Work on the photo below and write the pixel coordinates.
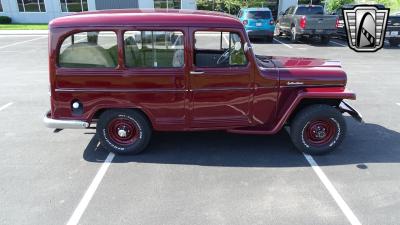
(303, 22)
(245, 22)
(271, 22)
(337, 23)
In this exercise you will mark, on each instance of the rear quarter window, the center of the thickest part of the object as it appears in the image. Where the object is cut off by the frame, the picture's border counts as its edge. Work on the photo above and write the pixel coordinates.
(95, 49)
(310, 10)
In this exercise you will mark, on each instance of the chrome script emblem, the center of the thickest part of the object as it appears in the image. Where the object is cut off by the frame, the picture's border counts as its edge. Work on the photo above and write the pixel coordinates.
(365, 27)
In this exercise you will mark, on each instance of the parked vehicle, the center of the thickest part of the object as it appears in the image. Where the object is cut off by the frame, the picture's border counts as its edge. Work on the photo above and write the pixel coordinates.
(129, 72)
(393, 30)
(306, 21)
(258, 23)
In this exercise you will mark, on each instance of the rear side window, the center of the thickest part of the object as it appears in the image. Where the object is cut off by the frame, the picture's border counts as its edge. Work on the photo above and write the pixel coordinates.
(97, 49)
(310, 10)
(151, 49)
(257, 15)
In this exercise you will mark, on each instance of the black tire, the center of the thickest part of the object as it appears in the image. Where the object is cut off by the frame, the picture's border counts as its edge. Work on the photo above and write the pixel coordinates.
(269, 39)
(325, 39)
(135, 125)
(294, 37)
(394, 43)
(318, 117)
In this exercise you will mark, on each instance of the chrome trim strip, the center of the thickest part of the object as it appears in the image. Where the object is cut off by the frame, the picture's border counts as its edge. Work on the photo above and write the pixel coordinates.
(116, 90)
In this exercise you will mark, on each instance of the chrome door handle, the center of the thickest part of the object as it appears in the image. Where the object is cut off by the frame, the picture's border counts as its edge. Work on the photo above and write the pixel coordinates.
(196, 72)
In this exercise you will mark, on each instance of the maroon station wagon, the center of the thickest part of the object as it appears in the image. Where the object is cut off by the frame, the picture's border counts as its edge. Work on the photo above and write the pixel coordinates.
(129, 72)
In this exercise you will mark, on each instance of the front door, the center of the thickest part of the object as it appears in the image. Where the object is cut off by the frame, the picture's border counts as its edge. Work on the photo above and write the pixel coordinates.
(220, 79)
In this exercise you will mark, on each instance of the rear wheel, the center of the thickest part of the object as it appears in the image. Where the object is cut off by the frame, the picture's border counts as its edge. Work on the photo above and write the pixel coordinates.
(269, 39)
(123, 131)
(318, 129)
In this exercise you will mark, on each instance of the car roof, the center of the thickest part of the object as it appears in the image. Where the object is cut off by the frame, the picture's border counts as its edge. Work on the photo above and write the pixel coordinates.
(310, 5)
(147, 17)
(256, 9)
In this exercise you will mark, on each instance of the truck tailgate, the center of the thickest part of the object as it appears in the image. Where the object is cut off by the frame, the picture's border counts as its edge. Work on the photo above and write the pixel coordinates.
(321, 22)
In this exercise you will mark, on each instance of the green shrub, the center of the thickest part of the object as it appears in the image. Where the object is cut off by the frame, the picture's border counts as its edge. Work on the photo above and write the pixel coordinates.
(5, 20)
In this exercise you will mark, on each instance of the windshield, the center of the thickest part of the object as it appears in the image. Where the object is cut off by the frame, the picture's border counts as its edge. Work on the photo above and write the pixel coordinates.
(310, 10)
(259, 15)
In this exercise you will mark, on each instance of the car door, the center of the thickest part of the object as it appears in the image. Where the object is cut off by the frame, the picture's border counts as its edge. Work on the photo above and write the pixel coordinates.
(220, 87)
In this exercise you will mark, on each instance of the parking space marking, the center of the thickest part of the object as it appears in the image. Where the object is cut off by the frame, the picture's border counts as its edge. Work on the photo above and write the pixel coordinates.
(283, 43)
(80, 209)
(334, 193)
(337, 43)
(398, 104)
(6, 105)
(21, 42)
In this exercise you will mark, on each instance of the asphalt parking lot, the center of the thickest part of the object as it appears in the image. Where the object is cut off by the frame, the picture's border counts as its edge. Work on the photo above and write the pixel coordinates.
(203, 177)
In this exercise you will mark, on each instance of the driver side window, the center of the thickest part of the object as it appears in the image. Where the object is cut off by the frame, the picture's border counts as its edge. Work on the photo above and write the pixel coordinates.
(218, 49)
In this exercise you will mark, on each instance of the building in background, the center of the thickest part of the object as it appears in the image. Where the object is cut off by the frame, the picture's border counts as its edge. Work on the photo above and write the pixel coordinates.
(42, 11)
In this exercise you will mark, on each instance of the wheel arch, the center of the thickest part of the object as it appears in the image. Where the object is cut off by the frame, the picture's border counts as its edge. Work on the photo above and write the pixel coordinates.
(101, 110)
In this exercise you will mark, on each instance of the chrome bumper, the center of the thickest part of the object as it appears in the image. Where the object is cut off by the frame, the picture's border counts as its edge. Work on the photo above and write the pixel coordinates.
(64, 124)
(345, 107)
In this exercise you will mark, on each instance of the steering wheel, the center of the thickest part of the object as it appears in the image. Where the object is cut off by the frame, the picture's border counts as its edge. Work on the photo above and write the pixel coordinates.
(224, 57)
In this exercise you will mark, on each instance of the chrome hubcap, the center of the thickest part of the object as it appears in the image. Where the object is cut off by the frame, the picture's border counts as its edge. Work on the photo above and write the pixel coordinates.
(122, 133)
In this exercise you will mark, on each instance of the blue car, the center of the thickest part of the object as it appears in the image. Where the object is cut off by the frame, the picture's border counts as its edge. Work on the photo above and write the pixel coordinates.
(258, 23)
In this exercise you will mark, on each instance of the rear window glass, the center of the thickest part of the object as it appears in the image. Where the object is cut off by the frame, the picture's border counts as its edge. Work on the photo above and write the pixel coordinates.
(89, 50)
(259, 15)
(311, 10)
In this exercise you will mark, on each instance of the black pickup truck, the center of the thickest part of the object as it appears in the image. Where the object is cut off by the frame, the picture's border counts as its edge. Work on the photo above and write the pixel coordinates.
(307, 20)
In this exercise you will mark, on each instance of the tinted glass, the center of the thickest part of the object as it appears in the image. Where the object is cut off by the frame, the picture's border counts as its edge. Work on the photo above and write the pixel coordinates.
(1, 7)
(151, 49)
(259, 15)
(31, 6)
(308, 10)
(89, 50)
(167, 4)
(73, 5)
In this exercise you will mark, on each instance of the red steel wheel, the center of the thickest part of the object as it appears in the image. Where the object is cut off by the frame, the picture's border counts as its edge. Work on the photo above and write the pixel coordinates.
(123, 131)
(320, 132)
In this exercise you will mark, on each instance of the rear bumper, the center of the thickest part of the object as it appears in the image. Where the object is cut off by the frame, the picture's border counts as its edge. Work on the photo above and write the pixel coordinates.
(345, 107)
(260, 33)
(316, 32)
(64, 124)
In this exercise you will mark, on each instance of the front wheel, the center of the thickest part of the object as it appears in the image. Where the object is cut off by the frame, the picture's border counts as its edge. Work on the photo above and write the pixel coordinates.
(394, 43)
(123, 131)
(318, 129)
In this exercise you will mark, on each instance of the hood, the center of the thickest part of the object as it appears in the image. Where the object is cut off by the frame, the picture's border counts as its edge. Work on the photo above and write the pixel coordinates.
(296, 62)
(309, 72)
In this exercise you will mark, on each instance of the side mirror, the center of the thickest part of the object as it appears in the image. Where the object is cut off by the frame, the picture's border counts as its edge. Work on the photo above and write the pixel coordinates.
(247, 47)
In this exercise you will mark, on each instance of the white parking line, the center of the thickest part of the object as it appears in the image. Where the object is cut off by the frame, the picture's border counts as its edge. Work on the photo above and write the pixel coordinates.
(398, 104)
(283, 43)
(80, 209)
(340, 44)
(21, 42)
(335, 195)
(5, 106)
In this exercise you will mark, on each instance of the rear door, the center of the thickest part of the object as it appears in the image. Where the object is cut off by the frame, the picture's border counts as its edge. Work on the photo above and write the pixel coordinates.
(220, 87)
